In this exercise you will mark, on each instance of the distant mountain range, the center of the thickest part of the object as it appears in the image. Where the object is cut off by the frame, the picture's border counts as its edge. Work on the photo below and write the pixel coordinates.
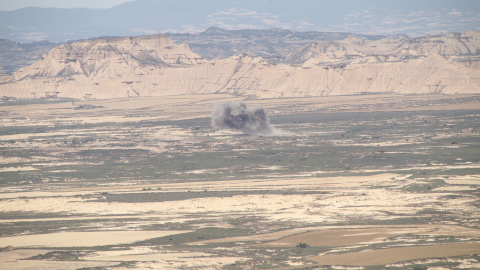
(15, 55)
(371, 17)
(155, 66)
(212, 43)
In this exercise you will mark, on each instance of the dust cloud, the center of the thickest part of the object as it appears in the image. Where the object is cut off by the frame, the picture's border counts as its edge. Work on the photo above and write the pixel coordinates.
(237, 115)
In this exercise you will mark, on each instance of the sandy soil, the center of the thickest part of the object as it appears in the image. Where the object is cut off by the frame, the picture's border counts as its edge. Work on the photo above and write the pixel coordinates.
(150, 258)
(308, 208)
(82, 239)
(49, 265)
(473, 180)
(340, 237)
(119, 110)
(392, 255)
(339, 199)
(168, 107)
(455, 188)
(263, 184)
(336, 236)
(10, 260)
(162, 258)
(360, 199)
(20, 254)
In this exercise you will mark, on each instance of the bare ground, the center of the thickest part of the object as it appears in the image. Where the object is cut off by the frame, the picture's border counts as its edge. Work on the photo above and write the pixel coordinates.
(387, 197)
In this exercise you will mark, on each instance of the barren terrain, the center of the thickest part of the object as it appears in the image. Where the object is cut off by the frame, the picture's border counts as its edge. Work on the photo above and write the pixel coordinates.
(348, 182)
(144, 66)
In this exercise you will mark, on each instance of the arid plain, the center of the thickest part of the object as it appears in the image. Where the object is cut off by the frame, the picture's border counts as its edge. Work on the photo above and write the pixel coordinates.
(347, 182)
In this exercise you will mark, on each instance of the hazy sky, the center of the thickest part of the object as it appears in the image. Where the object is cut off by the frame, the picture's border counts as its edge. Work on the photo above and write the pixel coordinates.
(142, 17)
(16, 4)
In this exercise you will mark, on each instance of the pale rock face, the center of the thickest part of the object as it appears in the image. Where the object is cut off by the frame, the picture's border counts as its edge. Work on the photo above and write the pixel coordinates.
(156, 66)
(391, 49)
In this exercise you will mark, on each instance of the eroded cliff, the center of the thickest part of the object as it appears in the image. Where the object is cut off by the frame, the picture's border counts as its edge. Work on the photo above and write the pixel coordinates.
(156, 66)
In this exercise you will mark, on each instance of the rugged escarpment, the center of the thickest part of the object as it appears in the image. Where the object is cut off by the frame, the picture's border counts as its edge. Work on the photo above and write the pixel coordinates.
(155, 66)
(353, 49)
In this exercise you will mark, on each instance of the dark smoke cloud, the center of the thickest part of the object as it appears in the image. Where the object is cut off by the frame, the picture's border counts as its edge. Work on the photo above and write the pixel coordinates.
(238, 116)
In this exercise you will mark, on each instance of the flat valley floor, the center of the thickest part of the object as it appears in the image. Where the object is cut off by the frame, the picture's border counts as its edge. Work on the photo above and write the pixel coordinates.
(347, 182)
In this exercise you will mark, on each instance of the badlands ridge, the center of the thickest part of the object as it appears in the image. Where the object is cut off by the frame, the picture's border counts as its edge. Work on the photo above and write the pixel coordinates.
(156, 66)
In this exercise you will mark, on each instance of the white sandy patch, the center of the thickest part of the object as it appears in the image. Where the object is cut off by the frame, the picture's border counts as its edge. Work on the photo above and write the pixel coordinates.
(305, 207)
(141, 220)
(360, 200)
(203, 171)
(17, 254)
(17, 169)
(12, 260)
(49, 265)
(82, 239)
(379, 144)
(454, 188)
(231, 185)
(207, 263)
(290, 183)
(162, 258)
(7, 160)
(391, 229)
(148, 257)
(33, 194)
(464, 180)
(26, 136)
(260, 237)
(272, 168)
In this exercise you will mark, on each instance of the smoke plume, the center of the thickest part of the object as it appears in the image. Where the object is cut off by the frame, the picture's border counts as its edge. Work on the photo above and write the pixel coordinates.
(238, 116)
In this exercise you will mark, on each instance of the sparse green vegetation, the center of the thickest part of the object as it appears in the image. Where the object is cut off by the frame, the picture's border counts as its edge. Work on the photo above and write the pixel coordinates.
(87, 107)
(318, 149)
(60, 256)
(302, 245)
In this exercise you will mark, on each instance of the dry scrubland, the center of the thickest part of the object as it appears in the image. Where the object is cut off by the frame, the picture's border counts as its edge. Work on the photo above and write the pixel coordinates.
(350, 182)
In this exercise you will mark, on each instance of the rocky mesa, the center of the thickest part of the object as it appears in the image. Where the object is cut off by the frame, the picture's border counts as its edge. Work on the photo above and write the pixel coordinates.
(156, 66)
